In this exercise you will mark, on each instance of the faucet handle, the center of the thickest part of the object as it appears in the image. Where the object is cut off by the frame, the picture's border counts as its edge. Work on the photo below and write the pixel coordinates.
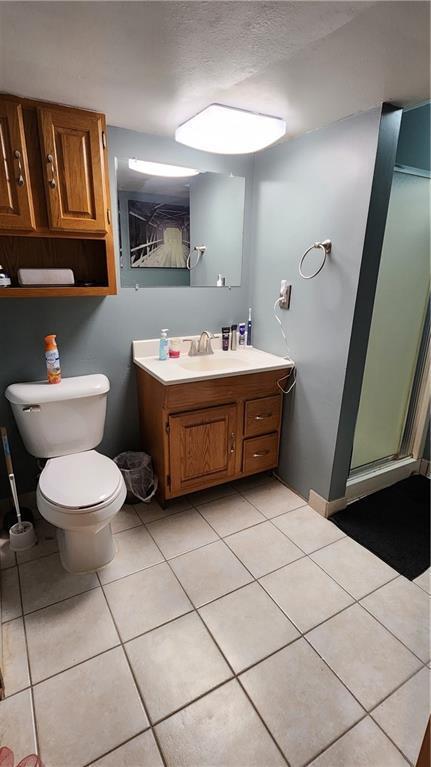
(193, 347)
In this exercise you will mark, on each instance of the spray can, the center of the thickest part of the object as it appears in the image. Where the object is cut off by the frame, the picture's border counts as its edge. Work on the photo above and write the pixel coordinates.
(52, 360)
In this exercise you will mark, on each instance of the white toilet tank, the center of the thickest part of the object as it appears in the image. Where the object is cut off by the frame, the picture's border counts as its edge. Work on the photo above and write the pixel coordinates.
(60, 419)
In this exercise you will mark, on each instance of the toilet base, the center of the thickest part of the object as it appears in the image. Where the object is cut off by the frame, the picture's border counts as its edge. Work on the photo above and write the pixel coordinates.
(81, 552)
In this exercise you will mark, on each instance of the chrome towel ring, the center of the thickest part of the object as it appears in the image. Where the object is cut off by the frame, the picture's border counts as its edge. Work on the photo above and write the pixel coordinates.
(326, 247)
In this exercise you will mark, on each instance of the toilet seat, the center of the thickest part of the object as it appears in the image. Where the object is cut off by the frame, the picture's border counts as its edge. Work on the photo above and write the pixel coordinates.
(80, 482)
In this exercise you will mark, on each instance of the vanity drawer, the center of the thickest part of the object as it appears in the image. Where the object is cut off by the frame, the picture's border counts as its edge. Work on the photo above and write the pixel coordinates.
(262, 415)
(260, 453)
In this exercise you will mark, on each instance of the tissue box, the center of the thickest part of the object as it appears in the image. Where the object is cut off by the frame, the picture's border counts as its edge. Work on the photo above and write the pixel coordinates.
(41, 277)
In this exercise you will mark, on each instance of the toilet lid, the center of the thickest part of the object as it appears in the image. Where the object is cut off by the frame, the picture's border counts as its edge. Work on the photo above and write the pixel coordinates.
(80, 480)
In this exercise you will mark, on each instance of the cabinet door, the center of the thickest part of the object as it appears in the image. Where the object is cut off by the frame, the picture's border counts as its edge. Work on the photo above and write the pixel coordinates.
(74, 170)
(16, 206)
(202, 447)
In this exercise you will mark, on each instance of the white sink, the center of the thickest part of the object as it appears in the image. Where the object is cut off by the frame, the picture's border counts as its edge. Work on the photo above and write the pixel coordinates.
(212, 363)
(221, 364)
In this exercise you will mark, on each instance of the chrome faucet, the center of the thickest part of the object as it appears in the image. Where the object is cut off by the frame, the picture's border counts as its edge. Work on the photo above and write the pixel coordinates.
(201, 347)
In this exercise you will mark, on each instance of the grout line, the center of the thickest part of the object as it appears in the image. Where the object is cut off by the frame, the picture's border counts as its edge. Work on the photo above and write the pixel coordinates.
(33, 705)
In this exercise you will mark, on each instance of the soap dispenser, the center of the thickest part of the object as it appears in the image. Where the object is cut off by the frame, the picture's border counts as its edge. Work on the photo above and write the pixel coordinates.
(164, 343)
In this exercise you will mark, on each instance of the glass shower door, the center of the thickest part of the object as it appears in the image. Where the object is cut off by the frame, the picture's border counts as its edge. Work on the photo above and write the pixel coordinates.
(397, 325)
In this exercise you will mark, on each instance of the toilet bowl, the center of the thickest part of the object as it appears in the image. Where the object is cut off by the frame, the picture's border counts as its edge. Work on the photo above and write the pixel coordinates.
(80, 494)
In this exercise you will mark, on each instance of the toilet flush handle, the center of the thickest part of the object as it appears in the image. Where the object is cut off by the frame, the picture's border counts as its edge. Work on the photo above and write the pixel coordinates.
(31, 409)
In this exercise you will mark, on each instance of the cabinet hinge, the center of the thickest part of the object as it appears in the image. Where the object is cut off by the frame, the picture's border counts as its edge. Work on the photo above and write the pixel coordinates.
(104, 139)
(108, 215)
(167, 428)
(168, 481)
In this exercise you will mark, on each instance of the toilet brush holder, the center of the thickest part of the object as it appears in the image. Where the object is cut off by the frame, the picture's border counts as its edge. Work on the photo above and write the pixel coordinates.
(22, 536)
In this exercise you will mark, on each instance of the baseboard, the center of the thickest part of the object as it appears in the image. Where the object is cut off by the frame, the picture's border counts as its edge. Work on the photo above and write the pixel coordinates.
(323, 506)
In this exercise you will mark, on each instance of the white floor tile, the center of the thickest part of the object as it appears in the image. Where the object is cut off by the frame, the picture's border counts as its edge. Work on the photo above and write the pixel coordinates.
(404, 715)
(272, 498)
(175, 664)
(424, 581)
(355, 568)
(220, 730)
(247, 626)
(45, 581)
(305, 593)
(302, 702)
(7, 557)
(228, 515)
(308, 529)
(87, 710)
(141, 751)
(10, 596)
(404, 609)
(181, 532)
(69, 632)
(262, 548)
(145, 600)
(14, 663)
(21, 740)
(369, 660)
(126, 518)
(136, 550)
(363, 746)
(210, 572)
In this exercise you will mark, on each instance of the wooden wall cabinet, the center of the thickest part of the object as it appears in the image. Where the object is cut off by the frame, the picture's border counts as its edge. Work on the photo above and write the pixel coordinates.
(16, 204)
(54, 190)
(204, 433)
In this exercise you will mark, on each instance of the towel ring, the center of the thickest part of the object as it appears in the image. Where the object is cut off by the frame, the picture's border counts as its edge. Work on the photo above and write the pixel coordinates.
(326, 246)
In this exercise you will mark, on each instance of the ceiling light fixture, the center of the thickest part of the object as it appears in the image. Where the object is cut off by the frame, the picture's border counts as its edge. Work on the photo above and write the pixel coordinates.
(160, 169)
(226, 130)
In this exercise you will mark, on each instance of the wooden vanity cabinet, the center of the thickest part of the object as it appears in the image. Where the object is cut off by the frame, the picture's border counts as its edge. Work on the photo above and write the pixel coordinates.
(204, 433)
(54, 196)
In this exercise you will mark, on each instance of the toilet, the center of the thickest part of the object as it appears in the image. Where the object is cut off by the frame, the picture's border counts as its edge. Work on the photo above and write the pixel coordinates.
(79, 489)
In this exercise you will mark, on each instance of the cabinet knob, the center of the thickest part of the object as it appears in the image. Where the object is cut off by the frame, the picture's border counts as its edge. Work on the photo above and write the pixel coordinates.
(51, 181)
(232, 442)
(262, 417)
(261, 454)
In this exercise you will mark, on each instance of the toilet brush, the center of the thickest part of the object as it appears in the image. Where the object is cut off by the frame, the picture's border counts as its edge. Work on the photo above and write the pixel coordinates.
(21, 534)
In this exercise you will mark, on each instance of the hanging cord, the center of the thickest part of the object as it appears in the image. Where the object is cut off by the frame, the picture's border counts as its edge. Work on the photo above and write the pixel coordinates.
(292, 372)
(200, 251)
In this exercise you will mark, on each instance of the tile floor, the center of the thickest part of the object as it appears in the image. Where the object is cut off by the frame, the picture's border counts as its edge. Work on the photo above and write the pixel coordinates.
(236, 628)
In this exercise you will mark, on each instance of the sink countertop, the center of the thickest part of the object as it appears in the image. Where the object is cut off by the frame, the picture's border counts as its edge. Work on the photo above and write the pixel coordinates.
(199, 368)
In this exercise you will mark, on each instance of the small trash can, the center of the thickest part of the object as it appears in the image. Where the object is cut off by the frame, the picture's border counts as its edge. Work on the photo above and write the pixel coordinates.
(139, 477)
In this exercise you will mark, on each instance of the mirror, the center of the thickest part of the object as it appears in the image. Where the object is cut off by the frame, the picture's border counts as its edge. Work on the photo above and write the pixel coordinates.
(178, 230)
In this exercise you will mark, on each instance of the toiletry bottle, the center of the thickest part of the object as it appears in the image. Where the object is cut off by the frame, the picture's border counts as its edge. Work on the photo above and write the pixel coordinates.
(52, 360)
(164, 343)
(233, 337)
(241, 335)
(225, 336)
(249, 325)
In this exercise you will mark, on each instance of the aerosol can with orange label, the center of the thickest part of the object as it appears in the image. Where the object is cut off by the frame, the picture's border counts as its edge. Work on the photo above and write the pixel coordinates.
(52, 360)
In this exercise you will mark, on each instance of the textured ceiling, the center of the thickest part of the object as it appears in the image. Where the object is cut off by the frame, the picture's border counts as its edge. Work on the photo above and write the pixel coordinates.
(151, 65)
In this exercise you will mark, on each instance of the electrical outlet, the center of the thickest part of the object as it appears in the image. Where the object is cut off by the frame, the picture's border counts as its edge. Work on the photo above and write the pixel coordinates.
(285, 291)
